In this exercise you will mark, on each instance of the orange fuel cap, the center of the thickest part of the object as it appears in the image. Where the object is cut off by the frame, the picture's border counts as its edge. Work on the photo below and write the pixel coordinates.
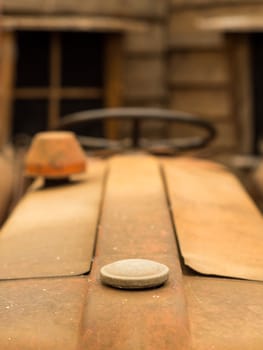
(55, 154)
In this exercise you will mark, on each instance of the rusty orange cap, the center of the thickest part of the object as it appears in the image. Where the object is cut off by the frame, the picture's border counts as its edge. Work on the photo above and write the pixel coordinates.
(55, 154)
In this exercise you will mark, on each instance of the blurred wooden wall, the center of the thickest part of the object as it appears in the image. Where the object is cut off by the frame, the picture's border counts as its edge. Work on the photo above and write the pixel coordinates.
(200, 72)
(174, 64)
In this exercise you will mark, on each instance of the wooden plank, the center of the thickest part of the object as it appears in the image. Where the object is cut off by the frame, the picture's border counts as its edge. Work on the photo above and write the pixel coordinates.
(218, 226)
(196, 40)
(225, 313)
(31, 93)
(234, 23)
(227, 135)
(143, 8)
(199, 68)
(150, 128)
(151, 41)
(6, 88)
(153, 129)
(177, 130)
(136, 223)
(226, 138)
(242, 94)
(184, 32)
(69, 92)
(245, 9)
(80, 93)
(54, 228)
(73, 23)
(145, 78)
(236, 10)
(214, 3)
(113, 80)
(213, 104)
(55, 80)
(24, 6)
(42, 313)
(147, 102)
(244, 18)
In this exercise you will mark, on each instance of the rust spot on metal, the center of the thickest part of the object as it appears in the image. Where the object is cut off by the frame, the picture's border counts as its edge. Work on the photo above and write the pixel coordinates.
(134, 215)
(52, 230)
(82, 313)
(42, 313)
(224, 313)
(55, 155)
(218, 226)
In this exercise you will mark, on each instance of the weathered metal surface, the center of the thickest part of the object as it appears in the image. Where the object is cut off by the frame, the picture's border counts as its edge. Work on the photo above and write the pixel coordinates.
(52, 231)
(135, 223)
(145, 319)
(225, 314)
(218, 226)
(55, 155)
(135, 220)
(42, 314)
(187, 312)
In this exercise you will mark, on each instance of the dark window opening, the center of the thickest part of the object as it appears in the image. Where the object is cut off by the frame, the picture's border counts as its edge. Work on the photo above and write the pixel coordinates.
(82, 59)
(29, 116)
(257, 86)
(56, 74)
(32, 59)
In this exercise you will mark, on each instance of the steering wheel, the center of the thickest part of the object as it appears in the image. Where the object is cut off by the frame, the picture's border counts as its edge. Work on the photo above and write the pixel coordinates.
(137, 115)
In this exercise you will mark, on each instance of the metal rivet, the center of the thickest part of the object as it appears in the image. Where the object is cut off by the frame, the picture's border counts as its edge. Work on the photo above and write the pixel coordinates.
(134, 274)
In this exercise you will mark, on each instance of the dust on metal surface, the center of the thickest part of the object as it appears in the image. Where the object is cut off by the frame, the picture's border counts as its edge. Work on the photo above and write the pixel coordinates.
(225, 314)
(135, 223)
(218, 226)
(52, 231)
(42, 314)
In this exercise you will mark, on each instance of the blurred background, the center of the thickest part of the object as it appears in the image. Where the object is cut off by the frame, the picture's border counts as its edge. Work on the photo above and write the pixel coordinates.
(200, 56)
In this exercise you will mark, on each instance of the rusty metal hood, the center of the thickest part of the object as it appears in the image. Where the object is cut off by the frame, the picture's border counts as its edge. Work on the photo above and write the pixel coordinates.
(57, 239)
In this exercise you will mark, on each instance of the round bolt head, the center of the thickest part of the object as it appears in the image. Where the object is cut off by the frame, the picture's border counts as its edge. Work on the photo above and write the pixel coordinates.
(55, 155)
(134, 274)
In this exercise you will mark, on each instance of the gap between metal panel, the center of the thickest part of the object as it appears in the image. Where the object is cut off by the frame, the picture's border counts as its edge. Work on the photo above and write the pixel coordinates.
(185, 269)
(103, 191)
